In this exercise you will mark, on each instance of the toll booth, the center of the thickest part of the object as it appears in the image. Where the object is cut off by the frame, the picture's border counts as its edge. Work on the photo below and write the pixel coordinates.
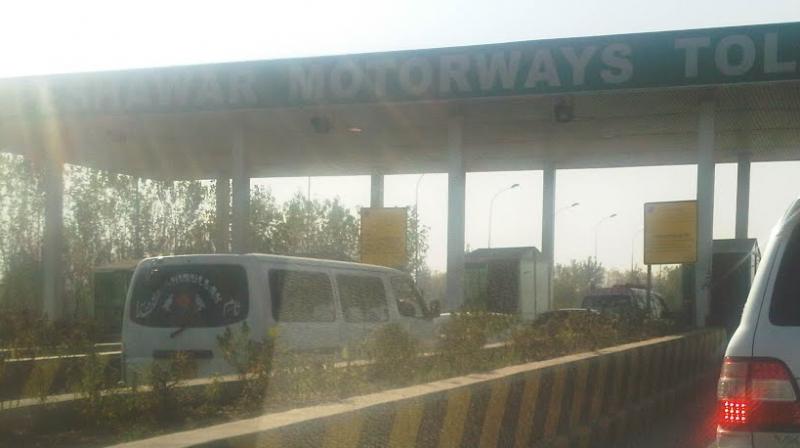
(734, 265)
(110, 287)
(511, 280)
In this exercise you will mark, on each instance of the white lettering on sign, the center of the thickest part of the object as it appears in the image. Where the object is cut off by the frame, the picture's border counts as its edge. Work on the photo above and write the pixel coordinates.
(578, 62)
(415, 76)
(346, 80)
(378, 73)
(707, 59)
(241, 89)
(617, 57)
(692, 46)
(501, 67)
(138, 94)
(106, 95)
(209, 92)
(722, 56)
(74, 96)
(453, 68)
(306, 83)
(772, 64)
(172, 88)
(543, 69)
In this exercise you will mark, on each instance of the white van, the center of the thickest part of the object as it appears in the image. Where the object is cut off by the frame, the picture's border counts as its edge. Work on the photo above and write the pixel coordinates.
(183, 303)
(759, 401)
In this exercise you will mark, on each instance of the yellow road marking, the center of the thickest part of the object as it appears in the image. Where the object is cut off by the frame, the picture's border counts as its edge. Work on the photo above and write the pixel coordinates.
(581, 378)
(600, 381)
(406, 425)
(527, 410)
(271, 439)
(494, 414)
(455, 417)
(554, 408)
(342, 432)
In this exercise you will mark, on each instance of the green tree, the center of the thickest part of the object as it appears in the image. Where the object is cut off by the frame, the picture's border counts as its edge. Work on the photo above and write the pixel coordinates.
(110, 217)
(266, 220)
(416, 245)
(572, 282)
(668, 282)
(21, 229)
(636, 276)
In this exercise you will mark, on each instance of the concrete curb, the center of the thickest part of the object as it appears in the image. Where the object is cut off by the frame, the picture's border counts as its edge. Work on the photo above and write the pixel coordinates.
(583, 400)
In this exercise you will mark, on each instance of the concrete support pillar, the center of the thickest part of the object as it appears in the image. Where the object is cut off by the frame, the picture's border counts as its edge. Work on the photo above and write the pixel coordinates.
(705, 210)
(222, 239)
(241, 195)
(549, 224)
(456, 205)
(742, 195)
(53, 244)
(376, 191)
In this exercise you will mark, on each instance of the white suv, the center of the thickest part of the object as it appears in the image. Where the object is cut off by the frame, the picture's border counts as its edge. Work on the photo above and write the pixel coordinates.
(758, 399)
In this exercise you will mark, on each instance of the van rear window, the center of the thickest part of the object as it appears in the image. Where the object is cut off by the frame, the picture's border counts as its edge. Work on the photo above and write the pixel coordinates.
(785, 307)
(190, 296)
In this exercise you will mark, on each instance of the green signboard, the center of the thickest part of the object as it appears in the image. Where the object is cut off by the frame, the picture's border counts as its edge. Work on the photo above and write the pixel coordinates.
(749, 54)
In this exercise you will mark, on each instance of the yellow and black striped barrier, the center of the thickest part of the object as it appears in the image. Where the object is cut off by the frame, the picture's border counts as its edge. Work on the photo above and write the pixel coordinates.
(585, 400)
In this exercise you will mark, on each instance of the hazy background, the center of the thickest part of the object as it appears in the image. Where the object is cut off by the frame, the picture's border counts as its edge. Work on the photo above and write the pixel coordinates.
(101, 35)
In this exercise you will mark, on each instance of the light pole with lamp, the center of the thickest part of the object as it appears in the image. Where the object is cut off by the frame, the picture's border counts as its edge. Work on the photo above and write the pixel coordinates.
(491, 210)
(597, 228)
(567, 207)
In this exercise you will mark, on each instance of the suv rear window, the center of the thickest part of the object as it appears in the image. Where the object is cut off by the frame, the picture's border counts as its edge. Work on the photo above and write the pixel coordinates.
(190, 296)
(785, 307)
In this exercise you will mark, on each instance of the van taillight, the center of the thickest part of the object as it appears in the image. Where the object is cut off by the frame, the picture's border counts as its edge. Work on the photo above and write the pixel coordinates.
(756, 394)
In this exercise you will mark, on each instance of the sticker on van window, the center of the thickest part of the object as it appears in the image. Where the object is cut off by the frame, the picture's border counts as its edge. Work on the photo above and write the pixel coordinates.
(191, 296)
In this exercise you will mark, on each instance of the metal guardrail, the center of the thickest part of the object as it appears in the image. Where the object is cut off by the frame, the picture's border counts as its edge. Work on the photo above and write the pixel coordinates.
(19, 372)
(7, 353)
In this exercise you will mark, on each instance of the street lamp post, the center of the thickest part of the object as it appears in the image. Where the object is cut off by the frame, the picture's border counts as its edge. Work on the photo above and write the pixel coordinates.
(597, 228)
(491, 211)
(567, 207)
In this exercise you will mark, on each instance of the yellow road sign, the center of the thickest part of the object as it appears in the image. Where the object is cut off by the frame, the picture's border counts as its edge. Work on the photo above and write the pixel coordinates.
(383, 236)
(670, 232)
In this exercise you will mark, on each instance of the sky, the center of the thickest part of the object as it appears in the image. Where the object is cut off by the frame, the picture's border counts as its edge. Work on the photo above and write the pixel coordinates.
(40, 37)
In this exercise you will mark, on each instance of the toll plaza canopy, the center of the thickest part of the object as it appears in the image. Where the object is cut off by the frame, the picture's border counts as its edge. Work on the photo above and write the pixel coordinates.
(675, 97)
(582, 102)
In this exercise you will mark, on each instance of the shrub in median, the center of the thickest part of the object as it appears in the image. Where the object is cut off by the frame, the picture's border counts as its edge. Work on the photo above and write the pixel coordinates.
(463, 337)
(558, 334)
(251, 359)
(393, 354)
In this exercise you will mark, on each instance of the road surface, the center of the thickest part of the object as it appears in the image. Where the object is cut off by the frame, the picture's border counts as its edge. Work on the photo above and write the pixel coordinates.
(690, 426)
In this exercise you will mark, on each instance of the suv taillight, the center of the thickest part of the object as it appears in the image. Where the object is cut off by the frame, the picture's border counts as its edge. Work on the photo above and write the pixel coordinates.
(757, 394)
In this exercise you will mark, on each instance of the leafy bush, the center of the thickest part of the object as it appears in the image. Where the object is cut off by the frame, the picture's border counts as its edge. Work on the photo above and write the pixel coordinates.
(272, 377)
(164, 395)
(30, 334)
(39, 383)
(251, 359)
(558, 334)
(463, 337)
(393, 353)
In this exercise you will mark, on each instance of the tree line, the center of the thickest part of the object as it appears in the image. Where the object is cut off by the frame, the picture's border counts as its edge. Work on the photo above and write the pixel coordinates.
(110, 217)
(574, 280)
